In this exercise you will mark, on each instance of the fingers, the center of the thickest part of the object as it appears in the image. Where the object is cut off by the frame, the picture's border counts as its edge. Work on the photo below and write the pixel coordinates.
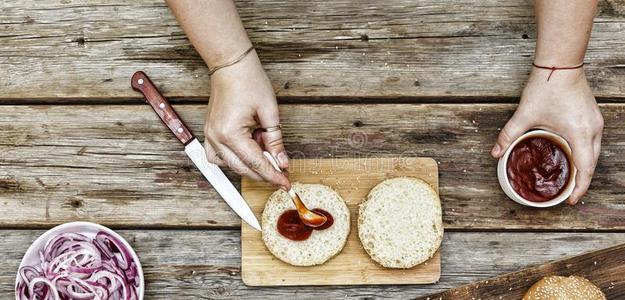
(585, 162)
(272, 141)
(274, 145)
(257, 135)
(211, 155)
(242, 152)
(252, 156)
(515, 127)
(583, 157)
(234, 163)
(596, 147)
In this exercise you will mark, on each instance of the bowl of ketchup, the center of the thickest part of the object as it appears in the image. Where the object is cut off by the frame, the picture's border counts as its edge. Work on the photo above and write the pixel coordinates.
(537, 169)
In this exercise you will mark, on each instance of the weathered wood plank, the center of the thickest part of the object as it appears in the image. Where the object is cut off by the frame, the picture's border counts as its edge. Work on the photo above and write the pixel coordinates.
(206, 264)
(604, 268)
(349, 48)
(118, 165)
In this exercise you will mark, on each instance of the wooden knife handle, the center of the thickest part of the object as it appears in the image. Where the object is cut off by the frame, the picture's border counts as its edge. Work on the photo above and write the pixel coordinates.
(161, 106)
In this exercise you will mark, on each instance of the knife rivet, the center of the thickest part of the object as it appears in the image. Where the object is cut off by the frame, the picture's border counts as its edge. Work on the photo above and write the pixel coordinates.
(161, 106)
(180, 130)
(140, 81)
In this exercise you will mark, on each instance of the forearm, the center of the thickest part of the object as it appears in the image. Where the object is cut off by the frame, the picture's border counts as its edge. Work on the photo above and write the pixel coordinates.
(564, 28)
(213, 27)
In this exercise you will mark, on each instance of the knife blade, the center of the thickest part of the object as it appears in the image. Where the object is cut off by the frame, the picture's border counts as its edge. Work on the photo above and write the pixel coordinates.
(220, 183)
(194, 149)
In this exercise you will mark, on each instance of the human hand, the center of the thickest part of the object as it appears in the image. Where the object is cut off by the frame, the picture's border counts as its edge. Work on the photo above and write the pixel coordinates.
(564, 105)
(242, 99)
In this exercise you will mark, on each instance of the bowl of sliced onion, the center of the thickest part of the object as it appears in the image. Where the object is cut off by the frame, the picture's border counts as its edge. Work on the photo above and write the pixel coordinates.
(80, 260)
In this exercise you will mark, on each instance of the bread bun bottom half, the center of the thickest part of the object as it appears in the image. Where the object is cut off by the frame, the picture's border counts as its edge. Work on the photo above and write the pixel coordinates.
(322, 245)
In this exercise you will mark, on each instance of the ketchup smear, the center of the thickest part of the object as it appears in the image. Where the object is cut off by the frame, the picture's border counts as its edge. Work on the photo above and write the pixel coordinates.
(291, 227)
(538, 169)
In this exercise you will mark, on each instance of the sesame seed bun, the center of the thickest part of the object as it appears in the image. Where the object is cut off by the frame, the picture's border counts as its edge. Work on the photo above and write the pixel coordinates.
(560, 288)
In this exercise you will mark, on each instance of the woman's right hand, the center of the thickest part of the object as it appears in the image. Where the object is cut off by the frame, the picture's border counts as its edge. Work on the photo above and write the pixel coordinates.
(242, 100)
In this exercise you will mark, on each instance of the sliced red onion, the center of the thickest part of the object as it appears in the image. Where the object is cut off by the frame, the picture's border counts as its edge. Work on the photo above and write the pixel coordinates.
(122, 255)
(74, 266)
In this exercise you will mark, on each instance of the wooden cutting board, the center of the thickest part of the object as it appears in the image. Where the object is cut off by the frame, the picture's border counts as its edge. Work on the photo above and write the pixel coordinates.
(605, 268)
(352, 179)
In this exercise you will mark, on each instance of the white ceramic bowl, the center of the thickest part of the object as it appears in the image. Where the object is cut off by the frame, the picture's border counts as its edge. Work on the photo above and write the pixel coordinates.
(88, 229)
(502, 174)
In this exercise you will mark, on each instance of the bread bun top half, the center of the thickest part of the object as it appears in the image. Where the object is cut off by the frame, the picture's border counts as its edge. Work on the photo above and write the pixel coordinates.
(400, 223)
(559, 288)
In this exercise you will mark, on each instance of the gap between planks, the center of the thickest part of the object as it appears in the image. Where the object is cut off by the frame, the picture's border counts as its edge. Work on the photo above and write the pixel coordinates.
(287, 100)
(238, 228)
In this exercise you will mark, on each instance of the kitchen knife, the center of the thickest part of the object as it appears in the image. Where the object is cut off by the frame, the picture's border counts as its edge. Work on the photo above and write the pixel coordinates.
(194, 148)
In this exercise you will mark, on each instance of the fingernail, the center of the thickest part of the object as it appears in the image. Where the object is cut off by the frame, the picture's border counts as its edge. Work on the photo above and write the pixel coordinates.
(283, 159)
(285, 188)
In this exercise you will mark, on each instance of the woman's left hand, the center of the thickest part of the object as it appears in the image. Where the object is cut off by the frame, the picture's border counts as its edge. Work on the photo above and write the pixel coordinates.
(566, 106)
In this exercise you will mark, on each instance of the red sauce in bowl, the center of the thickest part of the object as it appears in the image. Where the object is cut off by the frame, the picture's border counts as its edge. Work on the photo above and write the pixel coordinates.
(538, 169)
(291, 227)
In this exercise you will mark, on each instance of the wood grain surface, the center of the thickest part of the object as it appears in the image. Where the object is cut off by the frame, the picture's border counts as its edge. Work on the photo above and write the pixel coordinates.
(605, 268)
(352, 179)
(350, 49)
(205, 264)
(118, 165)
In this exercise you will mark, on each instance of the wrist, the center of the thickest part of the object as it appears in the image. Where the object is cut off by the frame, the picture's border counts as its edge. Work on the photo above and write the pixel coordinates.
(227, 54)
(248, 72)
(556, 58)
(557, 77)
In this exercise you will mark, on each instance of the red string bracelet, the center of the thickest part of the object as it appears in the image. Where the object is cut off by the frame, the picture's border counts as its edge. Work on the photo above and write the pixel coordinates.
(553, 69)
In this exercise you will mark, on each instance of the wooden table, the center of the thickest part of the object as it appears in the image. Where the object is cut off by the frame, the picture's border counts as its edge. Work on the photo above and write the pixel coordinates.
(354, 78)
